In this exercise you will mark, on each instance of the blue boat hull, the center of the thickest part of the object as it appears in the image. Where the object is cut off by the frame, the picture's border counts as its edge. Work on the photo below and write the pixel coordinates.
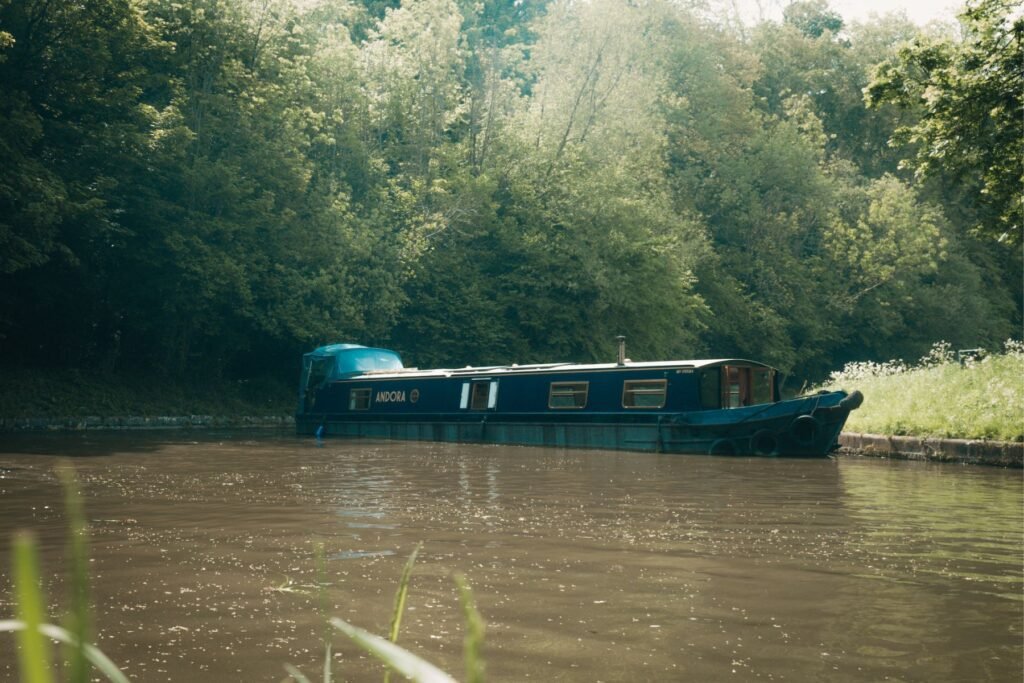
(806, 427)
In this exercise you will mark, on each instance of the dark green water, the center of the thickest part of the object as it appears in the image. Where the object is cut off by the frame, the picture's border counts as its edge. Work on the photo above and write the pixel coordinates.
(586, 565)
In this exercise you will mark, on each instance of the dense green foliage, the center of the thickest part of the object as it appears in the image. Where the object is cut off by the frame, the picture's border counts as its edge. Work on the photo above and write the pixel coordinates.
(971, 96)
(207, 188)
(982, 398)
(61, 393)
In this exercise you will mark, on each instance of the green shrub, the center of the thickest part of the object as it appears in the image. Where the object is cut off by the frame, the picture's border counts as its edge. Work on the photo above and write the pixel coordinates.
(978, 397)
(41, 392)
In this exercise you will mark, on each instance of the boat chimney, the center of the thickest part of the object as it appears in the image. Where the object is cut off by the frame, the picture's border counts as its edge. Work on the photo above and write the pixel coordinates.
(622, 349)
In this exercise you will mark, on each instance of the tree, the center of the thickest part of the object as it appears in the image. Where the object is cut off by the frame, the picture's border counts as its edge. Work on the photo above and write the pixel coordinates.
(813, 18)
(970, 94)
(71, 75)
(893, 238)
(829, 75)
(602, 250)
(244, 231)
(73, 133)
(210, 186)
(495, 33)
(412, 63)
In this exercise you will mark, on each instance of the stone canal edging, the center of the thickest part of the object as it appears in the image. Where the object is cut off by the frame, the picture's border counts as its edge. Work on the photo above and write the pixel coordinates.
(964, 451)
(71, 424)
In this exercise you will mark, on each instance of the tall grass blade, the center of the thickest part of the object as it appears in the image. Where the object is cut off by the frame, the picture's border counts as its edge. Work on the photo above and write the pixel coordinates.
(400, 596)
(92, 653)
(321, 594)
(399, 659)
(296, 674)
(78, 618)
(33, 653)
(401, 593)
(327, 662)
(475, 627)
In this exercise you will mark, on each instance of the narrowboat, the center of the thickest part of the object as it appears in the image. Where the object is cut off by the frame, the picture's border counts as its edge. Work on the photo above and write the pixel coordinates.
(719, 407)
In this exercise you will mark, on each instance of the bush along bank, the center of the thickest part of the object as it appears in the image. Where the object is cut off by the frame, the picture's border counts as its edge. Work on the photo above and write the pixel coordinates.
(46, 399)
(965, 407)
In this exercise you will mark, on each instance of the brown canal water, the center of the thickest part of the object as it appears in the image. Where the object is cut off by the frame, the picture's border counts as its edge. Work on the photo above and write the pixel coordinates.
(586, 565)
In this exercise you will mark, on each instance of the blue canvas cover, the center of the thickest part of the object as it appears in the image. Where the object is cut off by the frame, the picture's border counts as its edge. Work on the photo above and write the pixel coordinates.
(334, 361)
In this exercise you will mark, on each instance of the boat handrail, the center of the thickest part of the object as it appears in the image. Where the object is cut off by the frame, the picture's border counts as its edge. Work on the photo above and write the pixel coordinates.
(392, 371)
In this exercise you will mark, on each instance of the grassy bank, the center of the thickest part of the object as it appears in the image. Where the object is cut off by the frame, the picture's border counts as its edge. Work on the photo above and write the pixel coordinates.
(63, 393)
(982, 398)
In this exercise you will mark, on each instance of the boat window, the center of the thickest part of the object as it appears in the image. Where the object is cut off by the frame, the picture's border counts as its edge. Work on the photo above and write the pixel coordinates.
(711, 389)
(761, 391)
(745, 386)
(644, 393)
(367, 360)
(483, 395)
(319, 369)
(464, 401)
(732, 394)
(359, 399)
(316, 373)
(568, 395)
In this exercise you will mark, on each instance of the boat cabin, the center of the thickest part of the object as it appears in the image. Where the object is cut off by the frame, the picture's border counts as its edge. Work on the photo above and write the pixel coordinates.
(338, 361)
(351, 379)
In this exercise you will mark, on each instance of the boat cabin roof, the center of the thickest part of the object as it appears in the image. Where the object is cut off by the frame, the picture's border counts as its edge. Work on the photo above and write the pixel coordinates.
(350, 361)
(544, 368)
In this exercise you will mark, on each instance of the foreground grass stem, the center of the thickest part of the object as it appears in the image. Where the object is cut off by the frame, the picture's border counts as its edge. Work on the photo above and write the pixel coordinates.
(33, 651)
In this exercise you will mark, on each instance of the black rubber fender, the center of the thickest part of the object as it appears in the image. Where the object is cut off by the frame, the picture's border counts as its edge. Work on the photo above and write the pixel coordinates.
(722, 447)
(764, 442)
(804, 430)
(853, 401)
